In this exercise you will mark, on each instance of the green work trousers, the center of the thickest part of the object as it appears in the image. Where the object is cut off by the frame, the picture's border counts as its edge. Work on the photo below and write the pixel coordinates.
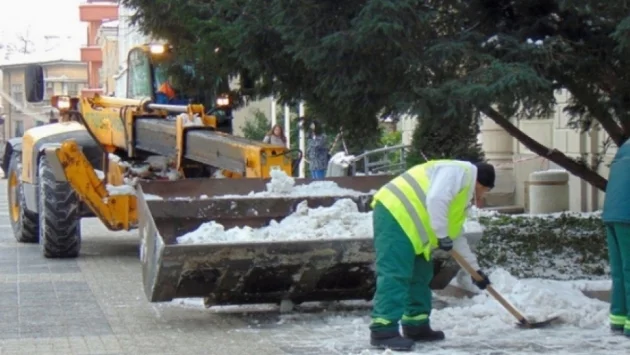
(402, 277)
(618, 236)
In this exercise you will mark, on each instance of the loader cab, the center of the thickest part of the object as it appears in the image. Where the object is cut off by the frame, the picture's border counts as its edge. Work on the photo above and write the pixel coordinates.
(150, 74)
(146, 76)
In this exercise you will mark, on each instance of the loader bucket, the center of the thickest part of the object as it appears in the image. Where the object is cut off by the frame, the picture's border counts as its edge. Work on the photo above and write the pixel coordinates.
(232, 273)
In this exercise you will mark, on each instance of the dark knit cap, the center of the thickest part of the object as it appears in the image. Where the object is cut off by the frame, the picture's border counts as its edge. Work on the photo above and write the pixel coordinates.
(485, 174)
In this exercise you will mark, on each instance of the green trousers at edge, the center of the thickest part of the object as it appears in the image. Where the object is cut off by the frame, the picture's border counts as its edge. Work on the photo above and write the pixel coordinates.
(402, 278)
(618, 236)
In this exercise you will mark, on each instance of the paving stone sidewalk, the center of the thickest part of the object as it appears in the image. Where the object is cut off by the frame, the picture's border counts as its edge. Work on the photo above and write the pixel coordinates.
(95, 304)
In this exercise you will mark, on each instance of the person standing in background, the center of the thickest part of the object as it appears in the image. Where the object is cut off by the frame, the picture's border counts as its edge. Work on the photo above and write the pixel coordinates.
(317, 151)
(276, 136)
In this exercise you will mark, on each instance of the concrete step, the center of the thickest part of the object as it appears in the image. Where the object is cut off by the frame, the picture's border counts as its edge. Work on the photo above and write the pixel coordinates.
(507, 209)
(503, 193)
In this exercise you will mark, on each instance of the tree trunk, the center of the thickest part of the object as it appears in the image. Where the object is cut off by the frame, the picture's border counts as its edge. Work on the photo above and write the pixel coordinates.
(578, 169)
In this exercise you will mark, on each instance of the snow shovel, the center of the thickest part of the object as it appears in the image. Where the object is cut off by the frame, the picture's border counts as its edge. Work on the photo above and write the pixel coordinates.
(522, 321)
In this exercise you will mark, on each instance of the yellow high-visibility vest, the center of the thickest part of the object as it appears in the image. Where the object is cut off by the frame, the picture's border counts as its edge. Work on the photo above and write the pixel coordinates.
(405, 198)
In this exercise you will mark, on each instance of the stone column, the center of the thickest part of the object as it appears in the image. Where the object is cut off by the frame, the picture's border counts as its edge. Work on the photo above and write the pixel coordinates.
(497, 144)
(498, 147)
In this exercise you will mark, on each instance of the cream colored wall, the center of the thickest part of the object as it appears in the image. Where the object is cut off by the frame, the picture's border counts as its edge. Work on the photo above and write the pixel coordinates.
(247, 112)
(109, 48)
(70, 71)
(406, 125)
(554, 133)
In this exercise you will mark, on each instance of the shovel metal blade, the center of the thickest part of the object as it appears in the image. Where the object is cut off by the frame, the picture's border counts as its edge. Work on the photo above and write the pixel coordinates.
(525, 324)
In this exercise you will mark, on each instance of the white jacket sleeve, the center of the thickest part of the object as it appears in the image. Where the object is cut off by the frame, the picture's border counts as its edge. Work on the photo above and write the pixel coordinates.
(461, 246)
(446, 182)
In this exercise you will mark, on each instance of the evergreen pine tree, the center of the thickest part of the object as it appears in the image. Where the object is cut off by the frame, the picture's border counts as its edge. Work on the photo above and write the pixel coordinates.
(256, 127)
(357, 60)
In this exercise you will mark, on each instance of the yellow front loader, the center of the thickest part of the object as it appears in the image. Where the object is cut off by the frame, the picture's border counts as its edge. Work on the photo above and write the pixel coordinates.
(107, 154)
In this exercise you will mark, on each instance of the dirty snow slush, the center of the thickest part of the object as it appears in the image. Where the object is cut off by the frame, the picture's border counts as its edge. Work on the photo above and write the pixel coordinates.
(477, 325)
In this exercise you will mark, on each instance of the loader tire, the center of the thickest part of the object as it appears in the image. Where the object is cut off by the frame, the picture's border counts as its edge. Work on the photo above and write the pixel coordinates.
(59, 215)
(25, 224)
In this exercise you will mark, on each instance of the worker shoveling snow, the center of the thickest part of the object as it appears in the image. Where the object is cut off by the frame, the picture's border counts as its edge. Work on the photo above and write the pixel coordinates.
(477, 325)
(341, 220)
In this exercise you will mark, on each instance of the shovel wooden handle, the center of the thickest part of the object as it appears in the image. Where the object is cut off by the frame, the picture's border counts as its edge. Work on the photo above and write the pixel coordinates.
(475, 275)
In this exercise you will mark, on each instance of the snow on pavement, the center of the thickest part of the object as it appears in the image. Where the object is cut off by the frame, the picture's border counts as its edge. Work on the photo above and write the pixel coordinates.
(477, 325)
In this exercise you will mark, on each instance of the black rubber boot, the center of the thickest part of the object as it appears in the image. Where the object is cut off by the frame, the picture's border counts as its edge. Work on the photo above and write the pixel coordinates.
(422, 333)
(390, 340)
(616, 328)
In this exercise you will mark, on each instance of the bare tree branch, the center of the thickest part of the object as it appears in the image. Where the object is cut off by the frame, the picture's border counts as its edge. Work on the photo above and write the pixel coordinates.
(571, 165)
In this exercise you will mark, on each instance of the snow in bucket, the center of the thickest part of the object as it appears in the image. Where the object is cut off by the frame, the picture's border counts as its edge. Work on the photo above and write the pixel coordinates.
(340, 221)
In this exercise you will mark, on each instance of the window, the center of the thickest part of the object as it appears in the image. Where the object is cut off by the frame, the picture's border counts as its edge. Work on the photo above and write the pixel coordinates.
(17, 94)
(73, 89)
(19, 128)
(50, 90)
(139, 75)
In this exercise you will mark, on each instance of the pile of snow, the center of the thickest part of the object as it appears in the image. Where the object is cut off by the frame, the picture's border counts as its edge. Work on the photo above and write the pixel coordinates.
(194, 121)
(120, 190)
(339, 221)
(480, 212)
(113, 190)
(477, 325)
(153, 168)
(538, 42)
(342, 159)
(548, 172)
(280, 183)
(538, 299)
(283, 185)
(218, 175)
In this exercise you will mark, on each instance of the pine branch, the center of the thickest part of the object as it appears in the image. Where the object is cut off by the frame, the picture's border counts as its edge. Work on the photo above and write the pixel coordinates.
(580, 170)
(597, 109)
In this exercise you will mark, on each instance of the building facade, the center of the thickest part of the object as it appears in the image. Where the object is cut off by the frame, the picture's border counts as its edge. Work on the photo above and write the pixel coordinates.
(128, 37)
(61, 77)
(515, 162)
(107, 39)
(95, 13)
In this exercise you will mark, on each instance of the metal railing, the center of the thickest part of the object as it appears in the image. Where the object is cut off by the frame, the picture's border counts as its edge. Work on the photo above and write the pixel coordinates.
(387, 160)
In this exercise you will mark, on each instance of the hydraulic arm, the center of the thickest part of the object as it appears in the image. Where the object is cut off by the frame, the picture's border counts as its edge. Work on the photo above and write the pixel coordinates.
(138, 130)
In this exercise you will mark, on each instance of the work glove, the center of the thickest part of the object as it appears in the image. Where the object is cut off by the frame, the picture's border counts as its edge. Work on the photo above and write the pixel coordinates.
(445, 244)
(483, 283)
